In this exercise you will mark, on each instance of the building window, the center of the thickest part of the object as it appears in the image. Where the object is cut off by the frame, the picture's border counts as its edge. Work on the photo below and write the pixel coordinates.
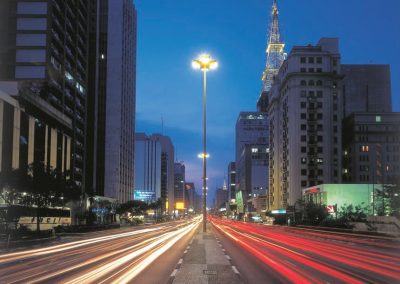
(364, 148)
(303, 83)
(303, 104)
(311, 70)
(311, 83)
(334, 117)
(303, 115)
(319, 60)
(31, 24)
(320, 149)
(31, 40)
(310, 59)
(378, 118)
(319, 115)
(320, 138)
(319, 104)
(303, 160)
(319, 70)
(303, 172)
(36, 8)
(303, 138)
(302, 70)
(303, 183)
(319, 83)
(29, 72)
(254, 150)
(319, 94)
(31, 55)
(303, 149)
(303, 127)
(302, 60)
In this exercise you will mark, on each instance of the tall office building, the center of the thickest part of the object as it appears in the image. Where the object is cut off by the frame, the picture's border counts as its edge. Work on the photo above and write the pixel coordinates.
(43, 48)
(305, 114)
(231, 180)
(371, 146)
(111, 99)
(251, 157)
(366, 88)
(179, 183)
(148, 168)
(167, 170)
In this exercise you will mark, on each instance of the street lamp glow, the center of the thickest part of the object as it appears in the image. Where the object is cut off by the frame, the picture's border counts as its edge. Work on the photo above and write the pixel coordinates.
(204, 62)
(201, 156)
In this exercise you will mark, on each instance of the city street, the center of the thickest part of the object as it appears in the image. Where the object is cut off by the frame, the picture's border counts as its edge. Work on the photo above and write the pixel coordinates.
(274, 254)
(121, 256)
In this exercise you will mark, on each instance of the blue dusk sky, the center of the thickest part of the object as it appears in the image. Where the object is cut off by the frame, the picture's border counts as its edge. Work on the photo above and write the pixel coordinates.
(173, 32)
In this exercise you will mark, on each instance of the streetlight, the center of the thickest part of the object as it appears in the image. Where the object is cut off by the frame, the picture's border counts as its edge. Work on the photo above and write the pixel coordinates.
(204, 62)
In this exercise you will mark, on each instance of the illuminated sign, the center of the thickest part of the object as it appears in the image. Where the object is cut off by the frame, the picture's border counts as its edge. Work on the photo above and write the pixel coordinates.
(180, 205)
(331, 208)
(144, 195)
(313, 190)
(279, 211)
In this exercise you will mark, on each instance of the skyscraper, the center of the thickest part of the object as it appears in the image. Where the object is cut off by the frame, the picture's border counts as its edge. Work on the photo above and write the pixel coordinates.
(43, 48)
(111, 99)
(305, 114)
(366, 88)
(251, 157)
(148, 168)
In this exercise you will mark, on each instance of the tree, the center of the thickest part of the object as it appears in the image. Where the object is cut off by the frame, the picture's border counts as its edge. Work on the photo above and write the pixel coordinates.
(314, 214)
(135, 207)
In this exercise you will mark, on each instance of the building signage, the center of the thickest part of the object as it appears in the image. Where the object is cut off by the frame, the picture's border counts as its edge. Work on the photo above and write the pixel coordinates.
(331, 208)
(144, 195)
(279, 211)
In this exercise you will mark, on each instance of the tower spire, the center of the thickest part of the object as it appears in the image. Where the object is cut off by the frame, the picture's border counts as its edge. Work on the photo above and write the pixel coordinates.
(275, 54)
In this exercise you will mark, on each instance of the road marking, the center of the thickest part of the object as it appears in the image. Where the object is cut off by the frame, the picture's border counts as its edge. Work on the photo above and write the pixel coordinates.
(180, 261)
(235, 269)
(223, 250)
(228, 257)
(174, 272)
(188, 247)
(185, 251)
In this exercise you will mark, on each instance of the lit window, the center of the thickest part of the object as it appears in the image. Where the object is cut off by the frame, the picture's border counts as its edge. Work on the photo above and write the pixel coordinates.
(254, 150)
(68, 76)
(378, 118)
(364, 148)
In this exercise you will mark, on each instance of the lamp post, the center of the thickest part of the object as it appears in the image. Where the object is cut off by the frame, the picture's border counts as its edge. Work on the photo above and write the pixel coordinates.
(204, 62)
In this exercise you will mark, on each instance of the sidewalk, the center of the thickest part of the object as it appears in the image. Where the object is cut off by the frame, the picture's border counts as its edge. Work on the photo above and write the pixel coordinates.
(205, 261)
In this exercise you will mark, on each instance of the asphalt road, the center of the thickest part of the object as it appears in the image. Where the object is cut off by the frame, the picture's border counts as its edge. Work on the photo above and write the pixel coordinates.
(273, 254)
(140, 255)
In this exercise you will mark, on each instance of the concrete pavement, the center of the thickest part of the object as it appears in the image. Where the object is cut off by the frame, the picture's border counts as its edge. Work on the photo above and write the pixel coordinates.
(205, 261)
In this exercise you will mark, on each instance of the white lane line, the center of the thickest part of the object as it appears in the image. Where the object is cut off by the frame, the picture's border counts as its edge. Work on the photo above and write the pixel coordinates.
(228, 257)
(180, 261)
(185, 251)
(223, 250)
(235, 269)
(174, 272)
(188, 247)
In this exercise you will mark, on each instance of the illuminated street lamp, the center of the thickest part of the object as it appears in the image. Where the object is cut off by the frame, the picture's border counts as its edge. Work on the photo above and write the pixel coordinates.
(204, 62)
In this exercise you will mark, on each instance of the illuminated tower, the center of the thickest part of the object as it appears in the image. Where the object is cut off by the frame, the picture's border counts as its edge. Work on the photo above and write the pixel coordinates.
(275, 57)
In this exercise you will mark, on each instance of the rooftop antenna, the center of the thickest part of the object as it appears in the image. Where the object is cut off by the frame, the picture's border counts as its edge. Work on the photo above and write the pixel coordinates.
(162, 125)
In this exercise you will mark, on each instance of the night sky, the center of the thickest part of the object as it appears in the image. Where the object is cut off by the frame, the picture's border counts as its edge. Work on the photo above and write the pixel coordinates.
(173, 32)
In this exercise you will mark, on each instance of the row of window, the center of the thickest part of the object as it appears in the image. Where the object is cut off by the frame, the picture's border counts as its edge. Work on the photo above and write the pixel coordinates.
(311, 83)
(311, 70)
(311, 60)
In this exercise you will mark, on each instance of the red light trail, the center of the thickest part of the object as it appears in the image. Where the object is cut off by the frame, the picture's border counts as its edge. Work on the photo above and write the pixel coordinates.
(316, 257)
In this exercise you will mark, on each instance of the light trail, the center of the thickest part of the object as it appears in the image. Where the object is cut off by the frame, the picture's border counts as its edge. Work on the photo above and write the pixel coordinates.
(307, 256)
(58, 248)
(116, 258)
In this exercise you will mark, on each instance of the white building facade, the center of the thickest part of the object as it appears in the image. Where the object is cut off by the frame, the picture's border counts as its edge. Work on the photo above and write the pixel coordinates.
(305, 114)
